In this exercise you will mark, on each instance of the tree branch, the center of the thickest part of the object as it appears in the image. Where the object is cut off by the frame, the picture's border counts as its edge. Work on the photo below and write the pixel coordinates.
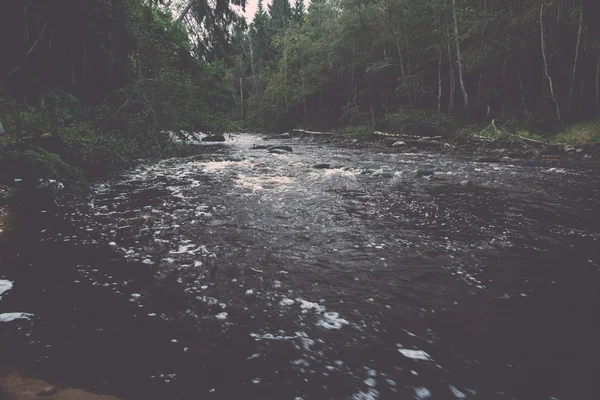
(37, 41)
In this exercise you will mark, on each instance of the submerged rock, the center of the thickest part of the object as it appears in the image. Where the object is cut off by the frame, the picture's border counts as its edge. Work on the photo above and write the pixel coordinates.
(487, 159)
(284, 148)
(321, 166)
(214, 138)
(282, 136)
(255, 147)
(399, 143)
(424, 172)
(277, 151)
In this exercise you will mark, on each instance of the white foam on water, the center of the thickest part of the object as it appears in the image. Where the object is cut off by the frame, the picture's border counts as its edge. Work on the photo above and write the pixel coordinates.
(286, 302)
(457, 393)
(370, 382)
(332, 320)
(414, 354)
(422, 393)
(306, 306)
(7, 317)
(5, 286)
(371, 394)
(270, 336)
(222, 316)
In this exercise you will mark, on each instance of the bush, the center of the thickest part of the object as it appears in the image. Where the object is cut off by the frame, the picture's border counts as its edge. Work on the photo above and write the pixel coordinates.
(419, 122)
(33, 164)
(587, 132)
(355, 130)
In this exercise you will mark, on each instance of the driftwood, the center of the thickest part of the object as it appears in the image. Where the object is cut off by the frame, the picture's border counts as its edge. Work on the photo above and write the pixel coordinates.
(302, 131)
(400, 136)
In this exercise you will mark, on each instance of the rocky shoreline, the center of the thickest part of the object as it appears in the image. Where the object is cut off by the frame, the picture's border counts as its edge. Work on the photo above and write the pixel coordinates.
(519, 150)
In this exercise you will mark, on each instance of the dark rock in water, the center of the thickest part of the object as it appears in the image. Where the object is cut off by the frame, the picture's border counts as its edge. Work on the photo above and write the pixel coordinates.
(467, 183)
(282, 136)
(277, 151)
(255, 147)
(214, 138)
(1, 129)
(587, 157)
(424, 172)
(322, 166)
(531, 163)
(285, 148)
(487, 159)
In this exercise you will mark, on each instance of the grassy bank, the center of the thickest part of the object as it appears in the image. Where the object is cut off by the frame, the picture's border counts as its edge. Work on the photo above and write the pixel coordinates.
(61, 143)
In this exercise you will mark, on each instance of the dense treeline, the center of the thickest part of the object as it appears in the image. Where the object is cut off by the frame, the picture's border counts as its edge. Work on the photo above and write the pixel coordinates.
(86, 86)
(374, 62)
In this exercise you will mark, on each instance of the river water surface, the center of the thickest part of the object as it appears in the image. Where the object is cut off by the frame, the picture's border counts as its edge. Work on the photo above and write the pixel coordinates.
(240, 274)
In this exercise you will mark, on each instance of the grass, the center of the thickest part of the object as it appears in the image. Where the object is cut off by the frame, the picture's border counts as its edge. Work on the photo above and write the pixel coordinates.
(580, 133)
(355, 130)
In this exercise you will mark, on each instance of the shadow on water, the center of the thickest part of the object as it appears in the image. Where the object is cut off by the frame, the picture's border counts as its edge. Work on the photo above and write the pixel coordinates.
(243, 274)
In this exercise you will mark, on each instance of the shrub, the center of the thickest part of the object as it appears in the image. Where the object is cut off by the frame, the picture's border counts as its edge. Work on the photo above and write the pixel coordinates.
(33, 164)
(419, 122)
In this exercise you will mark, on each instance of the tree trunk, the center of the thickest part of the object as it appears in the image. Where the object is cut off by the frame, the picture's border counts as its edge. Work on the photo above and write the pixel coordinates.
(575, 60)
(439, 103)
(598, 82)
(459, 57)
(546, 72)
(185, 10)
(452, 81)
(241, 96)
(523, 101)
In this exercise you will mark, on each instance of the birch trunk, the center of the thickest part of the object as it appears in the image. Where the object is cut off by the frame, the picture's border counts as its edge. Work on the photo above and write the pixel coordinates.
(575, 60)
(459, 57)
(546, 72)
(439, 105)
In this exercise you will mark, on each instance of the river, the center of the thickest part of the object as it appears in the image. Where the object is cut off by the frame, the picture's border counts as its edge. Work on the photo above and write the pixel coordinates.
(241, 274)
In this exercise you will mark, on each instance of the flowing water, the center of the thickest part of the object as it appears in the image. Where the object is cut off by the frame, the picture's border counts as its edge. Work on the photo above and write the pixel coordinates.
(240, 274)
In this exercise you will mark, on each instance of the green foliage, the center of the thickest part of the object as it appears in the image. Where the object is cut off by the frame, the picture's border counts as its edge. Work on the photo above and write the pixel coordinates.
(419, 122)
(35, 120)
(35, 163)
(586, 132)
(355, 130)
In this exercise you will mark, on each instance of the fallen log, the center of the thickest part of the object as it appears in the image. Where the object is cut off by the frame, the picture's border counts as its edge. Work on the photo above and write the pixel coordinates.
(305, 132)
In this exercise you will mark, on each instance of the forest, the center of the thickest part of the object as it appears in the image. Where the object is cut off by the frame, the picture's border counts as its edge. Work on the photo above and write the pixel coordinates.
(393, 63)
(86, 87)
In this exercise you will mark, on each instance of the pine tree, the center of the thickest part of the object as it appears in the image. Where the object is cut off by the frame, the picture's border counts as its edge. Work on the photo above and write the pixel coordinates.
(298, 11)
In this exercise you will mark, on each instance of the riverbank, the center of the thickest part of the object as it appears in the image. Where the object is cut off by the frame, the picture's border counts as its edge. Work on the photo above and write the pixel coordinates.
(16, 386)
(507, 149)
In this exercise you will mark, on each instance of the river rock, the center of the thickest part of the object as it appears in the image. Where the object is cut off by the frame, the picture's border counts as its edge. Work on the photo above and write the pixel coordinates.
(277, 151)
(587, 157)
(255, 147)
(467, 183)
(579, 150)
(282, 136)
(214, 138)
(424, 172)
(321, 166)
(487, 159)
(399, 143)
(284, 148)
(1, 129)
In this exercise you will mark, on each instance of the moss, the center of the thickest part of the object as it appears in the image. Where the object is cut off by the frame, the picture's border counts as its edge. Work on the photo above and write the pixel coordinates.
(355, 130)
(587, 132)
(35, 163)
